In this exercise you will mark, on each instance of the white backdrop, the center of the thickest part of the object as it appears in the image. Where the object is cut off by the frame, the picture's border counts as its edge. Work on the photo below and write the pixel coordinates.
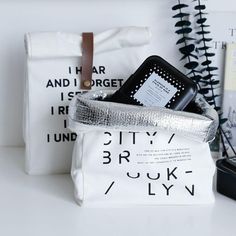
(18, 17)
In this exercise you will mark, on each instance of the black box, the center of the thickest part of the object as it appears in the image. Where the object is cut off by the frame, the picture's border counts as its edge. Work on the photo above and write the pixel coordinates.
(226, 177)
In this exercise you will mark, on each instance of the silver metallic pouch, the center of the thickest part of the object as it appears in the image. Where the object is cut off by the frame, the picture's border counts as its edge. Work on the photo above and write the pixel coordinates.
(88, 113)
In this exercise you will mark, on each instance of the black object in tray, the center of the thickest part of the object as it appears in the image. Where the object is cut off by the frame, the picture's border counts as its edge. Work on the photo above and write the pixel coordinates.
(157, 83)
(226, 177)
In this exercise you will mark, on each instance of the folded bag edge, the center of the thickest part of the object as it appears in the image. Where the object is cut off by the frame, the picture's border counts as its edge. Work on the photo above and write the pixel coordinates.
(86, 113)
(40, 45)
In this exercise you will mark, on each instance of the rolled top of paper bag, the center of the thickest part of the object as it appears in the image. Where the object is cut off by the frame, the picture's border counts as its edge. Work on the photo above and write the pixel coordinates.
(58, 44)
(87, 113)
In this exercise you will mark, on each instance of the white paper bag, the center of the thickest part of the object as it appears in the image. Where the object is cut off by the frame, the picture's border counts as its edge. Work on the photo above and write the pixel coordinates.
(53, 78)
(149, 170)
(148, 161)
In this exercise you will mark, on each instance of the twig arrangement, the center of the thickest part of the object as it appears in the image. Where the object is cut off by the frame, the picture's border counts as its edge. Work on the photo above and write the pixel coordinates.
(197, 55)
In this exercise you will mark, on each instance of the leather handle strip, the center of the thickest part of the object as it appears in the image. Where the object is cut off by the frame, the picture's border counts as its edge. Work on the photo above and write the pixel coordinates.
(87, 61)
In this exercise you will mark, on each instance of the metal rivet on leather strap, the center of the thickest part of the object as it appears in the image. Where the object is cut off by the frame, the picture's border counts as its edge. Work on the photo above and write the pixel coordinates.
(87, 83)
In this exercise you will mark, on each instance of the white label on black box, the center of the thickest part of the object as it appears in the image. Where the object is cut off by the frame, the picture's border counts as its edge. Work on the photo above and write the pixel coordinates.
(155, 91)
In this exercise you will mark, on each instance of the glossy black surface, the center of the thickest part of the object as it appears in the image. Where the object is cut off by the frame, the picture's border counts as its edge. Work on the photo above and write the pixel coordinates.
(226, 177)
(186, 88)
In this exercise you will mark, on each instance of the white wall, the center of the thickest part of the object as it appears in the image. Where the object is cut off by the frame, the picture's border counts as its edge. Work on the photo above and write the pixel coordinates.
(18, 17)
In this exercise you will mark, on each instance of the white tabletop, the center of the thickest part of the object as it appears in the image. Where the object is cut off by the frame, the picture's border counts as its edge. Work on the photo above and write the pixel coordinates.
(44, 205)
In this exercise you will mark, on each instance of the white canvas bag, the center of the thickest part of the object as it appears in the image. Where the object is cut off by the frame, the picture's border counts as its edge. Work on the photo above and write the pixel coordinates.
(129, 155)
(53, 78)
